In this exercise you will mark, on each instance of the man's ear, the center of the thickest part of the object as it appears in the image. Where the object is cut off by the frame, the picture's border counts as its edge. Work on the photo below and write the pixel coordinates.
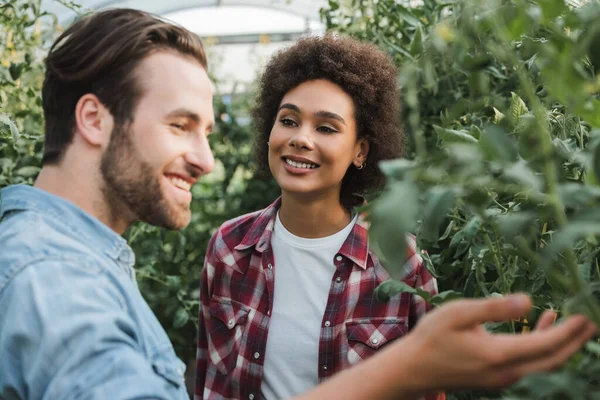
(363, 152)
(93, 120)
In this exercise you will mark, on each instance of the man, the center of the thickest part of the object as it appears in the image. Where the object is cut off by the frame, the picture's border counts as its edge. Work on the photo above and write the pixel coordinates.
(128, 107)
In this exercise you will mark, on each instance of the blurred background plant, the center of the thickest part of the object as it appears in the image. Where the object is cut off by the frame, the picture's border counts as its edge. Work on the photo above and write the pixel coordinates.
(500, 183)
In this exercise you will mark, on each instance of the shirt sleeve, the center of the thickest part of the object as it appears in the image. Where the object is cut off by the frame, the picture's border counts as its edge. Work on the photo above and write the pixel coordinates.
(65, 334)
(205, 296)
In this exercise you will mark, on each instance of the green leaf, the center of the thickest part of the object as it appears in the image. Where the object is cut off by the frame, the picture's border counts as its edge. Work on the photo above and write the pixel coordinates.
(514, 224)
(567, 237)
(521, 173)
(448, 230)
(173, 282)
(497, 145)
(397, 168)
(15, 70)
(498, 116)
(11, 125)
(451, 135)
(593, 347)
(462, 239)
(444, 297)
(390, 288)
(477, 62)
(552, 8)
(393, 215)
(585, 270)
(27, 172)
(416, 45)
(577, 194)
(181, 318)
(517, 108)
(439, 201)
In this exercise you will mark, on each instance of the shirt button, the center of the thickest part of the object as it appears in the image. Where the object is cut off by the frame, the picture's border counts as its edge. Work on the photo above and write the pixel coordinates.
(256, 355)
(251, 396)
(338, 279)
(327, 323)
(374, 341)
(339, 258)
(324, 367)
(231, 323)
(270, 266)
(268, 312)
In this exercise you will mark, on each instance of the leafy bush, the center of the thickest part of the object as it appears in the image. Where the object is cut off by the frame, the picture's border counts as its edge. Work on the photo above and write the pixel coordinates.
(501, 181)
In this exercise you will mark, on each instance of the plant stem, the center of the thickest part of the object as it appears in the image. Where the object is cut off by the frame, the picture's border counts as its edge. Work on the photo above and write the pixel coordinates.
(501, 272)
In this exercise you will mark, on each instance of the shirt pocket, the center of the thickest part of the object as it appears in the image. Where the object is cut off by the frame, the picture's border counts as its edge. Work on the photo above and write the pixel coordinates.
(225, 330)
(367, 335)
(169, 367)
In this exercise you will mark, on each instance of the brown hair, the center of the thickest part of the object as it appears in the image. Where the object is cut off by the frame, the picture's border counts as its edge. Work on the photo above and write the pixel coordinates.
(98, 54)
(365, 73)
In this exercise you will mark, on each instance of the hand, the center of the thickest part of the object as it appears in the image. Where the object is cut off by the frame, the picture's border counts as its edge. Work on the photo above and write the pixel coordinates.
(452, 350)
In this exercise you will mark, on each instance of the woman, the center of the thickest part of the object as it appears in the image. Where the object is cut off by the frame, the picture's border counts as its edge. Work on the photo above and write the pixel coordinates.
(287, 293)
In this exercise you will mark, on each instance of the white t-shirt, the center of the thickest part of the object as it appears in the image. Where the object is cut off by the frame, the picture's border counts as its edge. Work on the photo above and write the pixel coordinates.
(303, 271)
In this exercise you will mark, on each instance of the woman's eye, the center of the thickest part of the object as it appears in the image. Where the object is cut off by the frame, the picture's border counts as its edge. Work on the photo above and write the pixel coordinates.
(326, 129)
(288, 122)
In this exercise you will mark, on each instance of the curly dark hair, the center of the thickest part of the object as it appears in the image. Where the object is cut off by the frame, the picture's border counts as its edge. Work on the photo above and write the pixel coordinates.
(365, 73)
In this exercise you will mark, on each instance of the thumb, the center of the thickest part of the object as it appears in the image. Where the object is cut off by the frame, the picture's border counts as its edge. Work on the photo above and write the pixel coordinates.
(469, 313)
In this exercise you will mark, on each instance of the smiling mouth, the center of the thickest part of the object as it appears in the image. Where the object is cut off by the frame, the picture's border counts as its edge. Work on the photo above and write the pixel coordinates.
(297, 164)
(180, 183)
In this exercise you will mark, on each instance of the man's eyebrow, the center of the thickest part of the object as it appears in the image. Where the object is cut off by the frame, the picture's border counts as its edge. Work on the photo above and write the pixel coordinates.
(184, 112)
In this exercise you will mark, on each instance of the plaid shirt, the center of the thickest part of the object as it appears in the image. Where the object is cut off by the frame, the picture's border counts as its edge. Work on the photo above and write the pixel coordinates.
(236, 298)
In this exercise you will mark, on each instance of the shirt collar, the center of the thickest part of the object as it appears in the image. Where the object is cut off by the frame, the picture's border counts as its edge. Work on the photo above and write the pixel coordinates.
(83, 225)
(355, 247)
(260, 232)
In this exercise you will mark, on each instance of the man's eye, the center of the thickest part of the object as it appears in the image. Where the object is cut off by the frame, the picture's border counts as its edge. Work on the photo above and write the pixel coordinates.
(178, 126)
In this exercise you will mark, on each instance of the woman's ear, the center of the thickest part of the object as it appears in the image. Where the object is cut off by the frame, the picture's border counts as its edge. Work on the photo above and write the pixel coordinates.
(363, 152)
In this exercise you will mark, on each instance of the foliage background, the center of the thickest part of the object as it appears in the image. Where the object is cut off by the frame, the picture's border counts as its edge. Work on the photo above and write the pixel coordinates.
(501, 179)
(499, 182)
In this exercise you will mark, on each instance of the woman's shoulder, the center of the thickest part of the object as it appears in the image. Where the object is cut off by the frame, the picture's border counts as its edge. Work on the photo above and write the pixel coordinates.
(240, 224)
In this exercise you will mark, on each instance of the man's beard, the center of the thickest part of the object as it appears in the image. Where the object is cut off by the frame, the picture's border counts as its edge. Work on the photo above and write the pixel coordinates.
(131, 183)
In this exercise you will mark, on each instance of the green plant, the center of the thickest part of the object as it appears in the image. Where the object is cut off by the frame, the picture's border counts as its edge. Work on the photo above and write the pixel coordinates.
(501, 183)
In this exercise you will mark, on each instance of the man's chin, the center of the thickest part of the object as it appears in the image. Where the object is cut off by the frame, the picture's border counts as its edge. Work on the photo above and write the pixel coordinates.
(174, 220)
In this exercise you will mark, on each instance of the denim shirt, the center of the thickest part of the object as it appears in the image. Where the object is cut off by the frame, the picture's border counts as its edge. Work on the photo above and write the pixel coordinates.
(73, 324)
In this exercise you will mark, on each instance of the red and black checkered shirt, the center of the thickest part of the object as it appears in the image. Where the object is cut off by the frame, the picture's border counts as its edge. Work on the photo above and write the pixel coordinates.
(236, 299)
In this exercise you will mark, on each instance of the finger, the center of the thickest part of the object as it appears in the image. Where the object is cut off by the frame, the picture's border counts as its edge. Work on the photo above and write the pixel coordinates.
(538, 344)
(468, 313)
(510, 373)
(560, 356)
(546, 320)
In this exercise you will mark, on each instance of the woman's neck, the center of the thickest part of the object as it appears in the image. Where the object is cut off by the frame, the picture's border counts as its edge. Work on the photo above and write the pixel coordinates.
(313, 217)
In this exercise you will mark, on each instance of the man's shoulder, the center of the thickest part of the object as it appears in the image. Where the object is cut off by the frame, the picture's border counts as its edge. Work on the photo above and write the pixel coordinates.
(29, 238)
